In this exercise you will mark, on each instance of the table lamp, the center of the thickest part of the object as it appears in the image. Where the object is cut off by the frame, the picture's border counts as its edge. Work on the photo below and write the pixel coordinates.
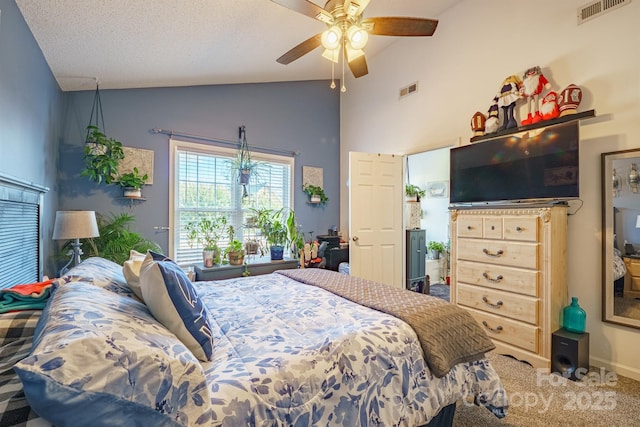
(74, 225)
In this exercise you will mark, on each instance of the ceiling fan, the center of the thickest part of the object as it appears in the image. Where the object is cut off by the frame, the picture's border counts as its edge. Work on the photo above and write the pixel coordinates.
(348, 31)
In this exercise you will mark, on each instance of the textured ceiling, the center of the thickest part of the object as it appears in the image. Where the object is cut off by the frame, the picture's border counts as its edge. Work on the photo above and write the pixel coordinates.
(157, 43)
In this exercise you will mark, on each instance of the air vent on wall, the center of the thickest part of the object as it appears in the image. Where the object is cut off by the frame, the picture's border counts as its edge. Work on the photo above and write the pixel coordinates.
(408, 90)
(597, 8)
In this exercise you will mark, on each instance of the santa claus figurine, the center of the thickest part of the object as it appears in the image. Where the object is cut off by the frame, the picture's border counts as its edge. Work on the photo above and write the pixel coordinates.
(492, 123)
(533, 82)
(549, 106)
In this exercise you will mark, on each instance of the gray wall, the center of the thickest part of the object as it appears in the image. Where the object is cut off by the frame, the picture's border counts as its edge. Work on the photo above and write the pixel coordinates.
(31, 110)
(296, 116)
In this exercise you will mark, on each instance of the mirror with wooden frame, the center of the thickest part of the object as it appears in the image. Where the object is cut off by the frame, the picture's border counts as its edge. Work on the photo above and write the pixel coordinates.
(621, 237)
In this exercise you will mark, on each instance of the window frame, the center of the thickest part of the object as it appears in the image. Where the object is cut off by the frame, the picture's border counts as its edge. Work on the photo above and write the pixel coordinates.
(176, 145)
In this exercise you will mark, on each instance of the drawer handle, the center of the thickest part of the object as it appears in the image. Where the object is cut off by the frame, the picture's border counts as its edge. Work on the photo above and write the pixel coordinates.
(519, 229)
(487, 252)
(496, 305)
(469, 227)
(498, 279)
(496, 330)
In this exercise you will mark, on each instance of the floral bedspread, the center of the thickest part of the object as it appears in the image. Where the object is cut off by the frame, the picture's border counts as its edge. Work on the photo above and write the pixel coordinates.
(290, 354)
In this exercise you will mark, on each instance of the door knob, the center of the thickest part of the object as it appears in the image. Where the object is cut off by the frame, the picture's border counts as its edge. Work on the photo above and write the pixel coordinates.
(355, 238)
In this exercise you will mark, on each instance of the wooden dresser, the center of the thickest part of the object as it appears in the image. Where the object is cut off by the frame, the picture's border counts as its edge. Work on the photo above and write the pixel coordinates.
(508, 268)
(632, 278)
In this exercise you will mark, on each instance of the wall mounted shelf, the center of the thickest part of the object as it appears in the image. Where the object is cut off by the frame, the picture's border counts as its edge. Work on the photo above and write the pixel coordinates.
(564, 119)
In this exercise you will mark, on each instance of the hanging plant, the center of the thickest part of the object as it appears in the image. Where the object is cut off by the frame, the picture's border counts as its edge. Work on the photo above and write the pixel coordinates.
(245, 167)
(102, 155)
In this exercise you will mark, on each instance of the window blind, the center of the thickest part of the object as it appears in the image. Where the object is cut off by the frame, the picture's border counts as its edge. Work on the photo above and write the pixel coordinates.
(19, 250)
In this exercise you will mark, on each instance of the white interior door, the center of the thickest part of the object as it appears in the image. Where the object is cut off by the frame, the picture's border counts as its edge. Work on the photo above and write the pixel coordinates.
(376, 196)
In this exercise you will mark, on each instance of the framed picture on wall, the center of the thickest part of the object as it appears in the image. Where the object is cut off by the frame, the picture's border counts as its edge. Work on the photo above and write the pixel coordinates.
(437, 189)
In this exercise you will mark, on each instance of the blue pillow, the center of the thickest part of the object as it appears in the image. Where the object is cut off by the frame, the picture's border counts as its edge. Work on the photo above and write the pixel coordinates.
(173, 301)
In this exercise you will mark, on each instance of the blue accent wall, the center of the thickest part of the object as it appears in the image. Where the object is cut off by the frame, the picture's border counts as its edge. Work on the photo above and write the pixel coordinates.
(31, 114)
(42, 131)
(295, 116)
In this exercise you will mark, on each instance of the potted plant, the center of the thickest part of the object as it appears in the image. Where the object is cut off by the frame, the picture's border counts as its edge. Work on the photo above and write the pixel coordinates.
(273, 229)
(102, 156)
(207, 232)
(316, 194)
(115, 240)
(413, 193)
(296, 237)
(132, 183)
(435, 249)
(234, 252)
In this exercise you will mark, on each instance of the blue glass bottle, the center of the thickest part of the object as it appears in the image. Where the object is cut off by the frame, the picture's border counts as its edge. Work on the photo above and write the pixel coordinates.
(574, 318)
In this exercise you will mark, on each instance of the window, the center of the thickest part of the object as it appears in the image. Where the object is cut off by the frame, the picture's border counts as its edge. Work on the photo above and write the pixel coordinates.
(205, 185)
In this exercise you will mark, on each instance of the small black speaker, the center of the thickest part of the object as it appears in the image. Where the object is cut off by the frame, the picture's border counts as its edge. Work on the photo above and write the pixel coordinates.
(569, 352)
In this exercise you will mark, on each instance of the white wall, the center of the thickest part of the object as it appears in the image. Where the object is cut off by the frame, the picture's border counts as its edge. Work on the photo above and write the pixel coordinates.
(425, 168)
(478, 43)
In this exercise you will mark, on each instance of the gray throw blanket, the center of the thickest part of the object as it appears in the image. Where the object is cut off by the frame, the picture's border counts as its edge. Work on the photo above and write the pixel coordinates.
(448, 334)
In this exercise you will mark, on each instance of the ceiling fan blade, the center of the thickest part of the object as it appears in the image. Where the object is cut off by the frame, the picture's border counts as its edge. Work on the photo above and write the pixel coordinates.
(300, 50)
(400, 26)
(359, 67)
(355, 7)
(308, 8)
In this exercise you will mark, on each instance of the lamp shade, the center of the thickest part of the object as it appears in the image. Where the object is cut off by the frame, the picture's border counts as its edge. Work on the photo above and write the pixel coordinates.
(75, 225)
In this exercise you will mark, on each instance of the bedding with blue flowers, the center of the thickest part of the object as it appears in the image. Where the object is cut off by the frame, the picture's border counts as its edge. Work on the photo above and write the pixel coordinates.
(284, 354)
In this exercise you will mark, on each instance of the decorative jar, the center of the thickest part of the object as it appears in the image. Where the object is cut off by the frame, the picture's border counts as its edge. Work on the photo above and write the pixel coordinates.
(574, 318)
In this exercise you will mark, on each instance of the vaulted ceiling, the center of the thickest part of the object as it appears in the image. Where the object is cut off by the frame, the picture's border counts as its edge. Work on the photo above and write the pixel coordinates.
(157, 43)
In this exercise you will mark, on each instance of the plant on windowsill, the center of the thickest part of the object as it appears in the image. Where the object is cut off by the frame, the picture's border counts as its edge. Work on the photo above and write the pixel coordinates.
(413, 193)
(207, 232)
(316, 194)
(102, 156)
(274, 230)
(234, 252)
(132, 183)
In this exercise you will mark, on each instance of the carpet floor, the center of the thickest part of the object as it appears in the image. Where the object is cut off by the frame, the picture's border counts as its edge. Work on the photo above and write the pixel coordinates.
(440, 291)
(536, 398)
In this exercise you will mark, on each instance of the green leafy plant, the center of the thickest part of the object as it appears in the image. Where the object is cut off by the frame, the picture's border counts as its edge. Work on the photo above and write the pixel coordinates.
(314, 190)
(132, 179)
(116, 240)
(234, 251)
(206, 232)
(102, 156)
(271, 224)
(411, 190)
(296, 237)
(436, 246)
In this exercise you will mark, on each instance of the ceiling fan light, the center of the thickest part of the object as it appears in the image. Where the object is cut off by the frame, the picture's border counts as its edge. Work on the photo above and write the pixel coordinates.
(331, 38)
(332, 55)
(357, 37)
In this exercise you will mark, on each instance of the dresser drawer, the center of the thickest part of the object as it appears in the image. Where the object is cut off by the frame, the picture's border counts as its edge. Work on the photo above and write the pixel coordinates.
(509, 331)
(492, 228)
(512, 254)
(470, 226)
(498, 277)
(518, 307)
(522, 229)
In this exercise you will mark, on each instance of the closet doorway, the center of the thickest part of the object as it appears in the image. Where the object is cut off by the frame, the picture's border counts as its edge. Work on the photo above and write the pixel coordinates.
(429, 170)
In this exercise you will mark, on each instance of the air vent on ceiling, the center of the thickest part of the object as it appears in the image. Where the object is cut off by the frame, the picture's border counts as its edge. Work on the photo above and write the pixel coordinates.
(408, 90)
(597, 8)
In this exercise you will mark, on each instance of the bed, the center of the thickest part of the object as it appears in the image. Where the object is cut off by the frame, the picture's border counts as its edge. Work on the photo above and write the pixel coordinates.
(285, 353)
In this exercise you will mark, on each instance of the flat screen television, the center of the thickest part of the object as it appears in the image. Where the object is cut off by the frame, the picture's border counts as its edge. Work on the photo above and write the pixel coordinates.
(536, 165)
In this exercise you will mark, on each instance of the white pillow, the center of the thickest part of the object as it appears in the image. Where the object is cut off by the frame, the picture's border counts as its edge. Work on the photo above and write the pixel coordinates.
(131, 271)
(173, 301)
